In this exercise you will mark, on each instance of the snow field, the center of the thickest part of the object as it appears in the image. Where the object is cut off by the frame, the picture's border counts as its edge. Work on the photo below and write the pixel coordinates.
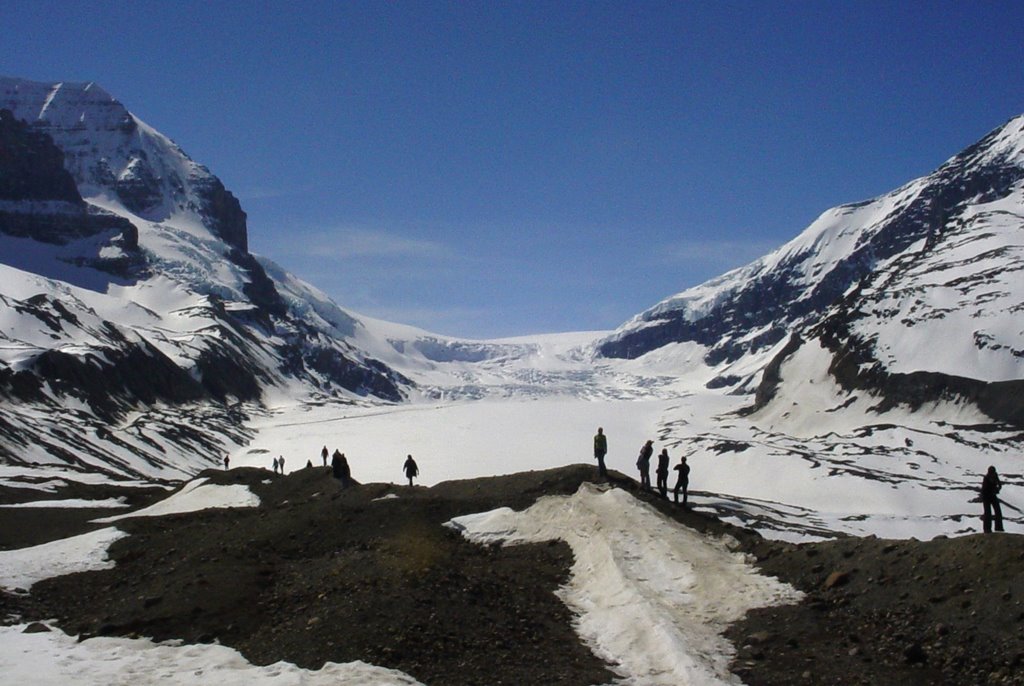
(456, 441)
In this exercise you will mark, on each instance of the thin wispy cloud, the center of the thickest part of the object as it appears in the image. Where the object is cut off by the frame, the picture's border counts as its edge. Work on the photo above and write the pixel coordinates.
(357, 243)
(724, 254)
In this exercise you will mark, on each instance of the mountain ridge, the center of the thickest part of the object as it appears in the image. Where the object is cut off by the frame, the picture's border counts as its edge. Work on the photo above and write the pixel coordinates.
(752, 311)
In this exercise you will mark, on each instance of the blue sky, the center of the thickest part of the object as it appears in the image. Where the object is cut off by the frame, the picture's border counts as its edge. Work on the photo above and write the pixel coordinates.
(492, 169)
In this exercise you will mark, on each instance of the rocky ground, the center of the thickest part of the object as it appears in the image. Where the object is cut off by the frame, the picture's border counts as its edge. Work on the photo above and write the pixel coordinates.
(317, 574)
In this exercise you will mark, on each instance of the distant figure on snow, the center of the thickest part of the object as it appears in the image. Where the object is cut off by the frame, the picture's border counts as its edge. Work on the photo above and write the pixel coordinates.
(643, 463)
(600, 450)
(323, 454)
(276, 466)
(340, 469)
(280, 462)
(682, 480)
(662, 473)
(410, 468)
(309, 464)
(226, 461)
(990, 487)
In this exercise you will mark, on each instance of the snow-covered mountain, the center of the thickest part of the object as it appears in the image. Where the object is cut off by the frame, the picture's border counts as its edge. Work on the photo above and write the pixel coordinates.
(127, 287)
(915, 295)
(139, 337)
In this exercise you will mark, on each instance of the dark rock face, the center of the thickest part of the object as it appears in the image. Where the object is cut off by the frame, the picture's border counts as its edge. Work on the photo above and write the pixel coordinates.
(138, 188)
(39, 200)
(222, 212)
(369, 378)
(31, 166)
(260, 290)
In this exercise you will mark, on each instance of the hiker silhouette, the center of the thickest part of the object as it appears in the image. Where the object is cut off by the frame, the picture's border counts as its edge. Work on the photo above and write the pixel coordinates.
(662, 473)
(643, 463)
(990, 487)
(682, 480)
(600, 450)
(410, 468)
(340, 469)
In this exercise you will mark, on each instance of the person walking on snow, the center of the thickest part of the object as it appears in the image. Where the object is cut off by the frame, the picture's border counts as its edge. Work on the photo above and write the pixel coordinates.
(410, 468)
(662, 473)
(600, 450)
(682, 480)
(226, 461)
(275, 465)
(643, 463)
(323, 454)
(990, 486)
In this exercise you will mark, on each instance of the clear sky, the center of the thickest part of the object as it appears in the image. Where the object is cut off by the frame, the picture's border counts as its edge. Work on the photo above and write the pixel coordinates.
(487, 169)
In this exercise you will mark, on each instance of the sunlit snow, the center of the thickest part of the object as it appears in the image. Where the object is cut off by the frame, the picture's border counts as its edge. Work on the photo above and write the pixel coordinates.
(196, 495)
(652, 596)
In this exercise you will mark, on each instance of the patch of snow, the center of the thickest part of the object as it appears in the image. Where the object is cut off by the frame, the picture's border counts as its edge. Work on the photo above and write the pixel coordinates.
(23, 567)
(196, 495)
(73, 502)
(652, 596)
(55, 659)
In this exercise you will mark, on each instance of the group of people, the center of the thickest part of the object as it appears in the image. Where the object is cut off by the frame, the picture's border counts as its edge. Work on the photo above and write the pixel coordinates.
(341, 471)
(279, 465)
(992, 517)
(643, 463)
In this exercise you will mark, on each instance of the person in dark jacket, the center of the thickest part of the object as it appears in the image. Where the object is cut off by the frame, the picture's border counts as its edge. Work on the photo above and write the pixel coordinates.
(662, 473)
(643, 463)
(340, 468)
(323, 454)
(682, 480)
(990, 486)
(600, 450)
(410, 469)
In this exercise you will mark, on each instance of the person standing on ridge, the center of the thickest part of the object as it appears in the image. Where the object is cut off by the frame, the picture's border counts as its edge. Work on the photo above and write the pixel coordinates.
(643, 463)
(340, 468)
(336, 464)
(226, 460)
(323, 454)
(682, 480)
(990, 487)
(600, 450)
(662, 473)
(410, 468)
(275, 465)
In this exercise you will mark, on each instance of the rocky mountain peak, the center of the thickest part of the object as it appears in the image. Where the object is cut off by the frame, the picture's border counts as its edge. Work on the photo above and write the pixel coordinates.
(112, 153)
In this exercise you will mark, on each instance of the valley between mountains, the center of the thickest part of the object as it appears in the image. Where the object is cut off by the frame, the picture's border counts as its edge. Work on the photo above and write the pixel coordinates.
(838, 401)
